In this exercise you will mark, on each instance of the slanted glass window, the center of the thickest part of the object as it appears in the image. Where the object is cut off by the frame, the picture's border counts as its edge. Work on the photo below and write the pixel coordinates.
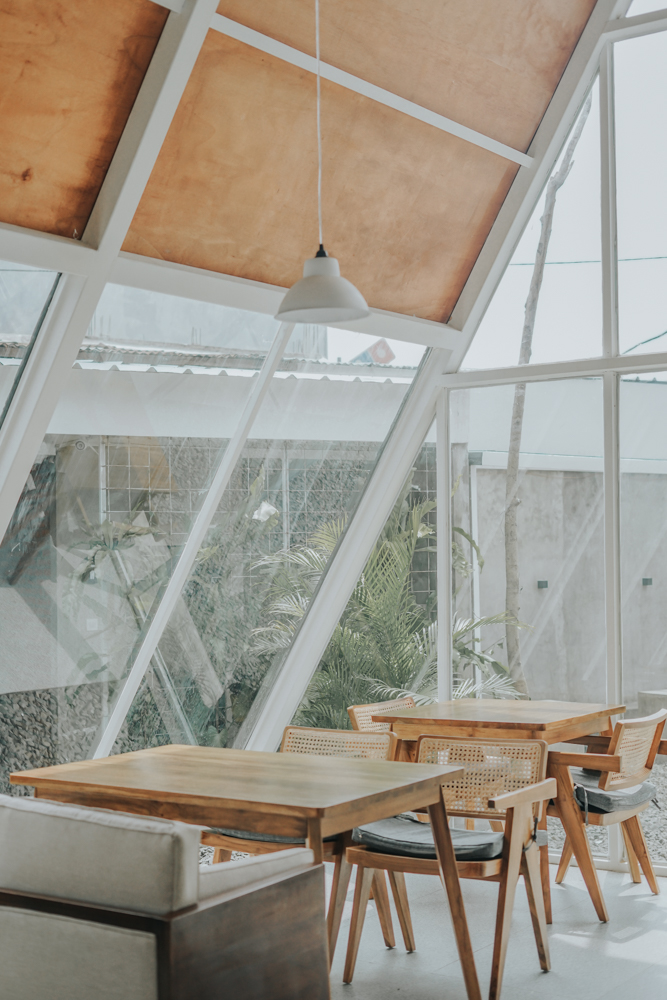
(25, 293)
(640, 70)
(551, 293)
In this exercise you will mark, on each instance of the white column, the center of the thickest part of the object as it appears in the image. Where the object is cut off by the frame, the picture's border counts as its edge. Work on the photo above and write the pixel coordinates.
(444, 557)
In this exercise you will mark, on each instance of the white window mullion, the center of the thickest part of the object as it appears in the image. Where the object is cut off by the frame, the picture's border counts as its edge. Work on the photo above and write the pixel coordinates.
(444, 555)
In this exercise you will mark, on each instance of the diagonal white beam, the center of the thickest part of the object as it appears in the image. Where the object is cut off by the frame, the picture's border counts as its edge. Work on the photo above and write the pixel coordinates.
(624, 364)
(201, 525)
(257, 296)
(528, 184)
(632, 27)
(281, 694)
(53, 253)
(72, 309)
(297, 58)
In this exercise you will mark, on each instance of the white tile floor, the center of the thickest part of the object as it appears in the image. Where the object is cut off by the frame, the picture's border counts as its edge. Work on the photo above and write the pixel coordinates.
(625, 959)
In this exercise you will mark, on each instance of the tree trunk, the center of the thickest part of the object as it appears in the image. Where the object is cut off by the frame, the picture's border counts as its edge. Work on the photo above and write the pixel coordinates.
(512, 501)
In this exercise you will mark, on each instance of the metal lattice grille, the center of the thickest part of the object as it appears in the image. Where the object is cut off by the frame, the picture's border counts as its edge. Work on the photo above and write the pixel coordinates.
(361, 715)
(491, 768)
(337, 743)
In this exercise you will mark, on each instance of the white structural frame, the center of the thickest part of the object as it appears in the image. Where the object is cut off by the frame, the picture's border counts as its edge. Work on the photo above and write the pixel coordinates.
(88, 265)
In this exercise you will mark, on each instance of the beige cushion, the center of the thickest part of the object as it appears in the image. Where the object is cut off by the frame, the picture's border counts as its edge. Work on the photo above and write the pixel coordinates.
(44, 957)
(98, 856)
(230, 875)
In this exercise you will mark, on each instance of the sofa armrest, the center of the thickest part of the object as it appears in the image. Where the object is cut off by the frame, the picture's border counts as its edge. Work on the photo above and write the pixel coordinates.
(231, 875)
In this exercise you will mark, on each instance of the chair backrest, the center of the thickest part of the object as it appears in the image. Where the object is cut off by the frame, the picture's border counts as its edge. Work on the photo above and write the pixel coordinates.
(636, 740)
(491, 768)
(338, 743)
(361, 715)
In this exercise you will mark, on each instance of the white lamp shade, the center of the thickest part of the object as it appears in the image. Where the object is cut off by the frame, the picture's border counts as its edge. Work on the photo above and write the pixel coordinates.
(322, 296)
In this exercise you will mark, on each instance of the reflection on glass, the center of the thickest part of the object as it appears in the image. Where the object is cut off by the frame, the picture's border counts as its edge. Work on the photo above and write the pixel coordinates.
(641, 146)
(386, 640)
(643, 409)
(551, 555)
(304, 466)
(24, 293)
(568, 318)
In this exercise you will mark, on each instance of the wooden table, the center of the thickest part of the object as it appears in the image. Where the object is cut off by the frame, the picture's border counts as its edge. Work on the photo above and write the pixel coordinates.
(291, 794)
(498, 719)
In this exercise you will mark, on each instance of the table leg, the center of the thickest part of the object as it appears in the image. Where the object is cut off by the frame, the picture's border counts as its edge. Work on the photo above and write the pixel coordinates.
(314, 839)
(341, 881)
(573, 824)
(450, 879)
(544, 869)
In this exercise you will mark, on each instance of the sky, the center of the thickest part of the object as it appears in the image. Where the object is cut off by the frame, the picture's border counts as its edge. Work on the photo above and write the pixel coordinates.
(569, 316)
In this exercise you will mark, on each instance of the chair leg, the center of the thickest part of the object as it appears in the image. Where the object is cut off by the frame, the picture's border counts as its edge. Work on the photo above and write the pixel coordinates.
(516, 833)
(361, 893)
(544, 868)
(221, 854)
(470, 824)
(400, 893)
(341, 880)
(532, 877)
(497, 825)
(636, 834)
(381, 897)
(633, 862)
(564, 863)
(573, 823)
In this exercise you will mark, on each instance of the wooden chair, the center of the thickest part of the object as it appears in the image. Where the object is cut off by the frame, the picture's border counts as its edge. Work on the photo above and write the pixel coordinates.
(503, 780)
(608, 785)
(325, 743)
(361, 715)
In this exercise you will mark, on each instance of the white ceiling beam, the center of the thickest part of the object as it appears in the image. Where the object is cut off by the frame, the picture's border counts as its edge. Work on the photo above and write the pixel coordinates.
(632, 27)
(43, 250)
(66, 323)
(256, 296)
(328, 72)
(581, 368)
(528, 184)
(175, 5)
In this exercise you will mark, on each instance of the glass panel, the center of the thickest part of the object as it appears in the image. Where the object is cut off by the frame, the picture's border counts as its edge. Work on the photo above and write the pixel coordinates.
(304, 466)
(97, 532)
(24, 293)
(643, 409)
(568, 318)
(641, 147)
(644, 7)
(385, 642)
(551, 580)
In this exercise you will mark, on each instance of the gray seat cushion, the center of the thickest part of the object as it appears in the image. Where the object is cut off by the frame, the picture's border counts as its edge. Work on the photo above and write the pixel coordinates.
(400, 835)
(612, 799)
(266, 838)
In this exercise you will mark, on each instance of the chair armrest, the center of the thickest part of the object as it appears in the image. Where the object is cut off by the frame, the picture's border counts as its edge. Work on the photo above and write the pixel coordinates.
(592, 761)
(538, 792)
(230, 875)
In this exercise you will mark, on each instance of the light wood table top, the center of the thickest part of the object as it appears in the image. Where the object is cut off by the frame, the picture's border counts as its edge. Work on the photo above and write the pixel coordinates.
(492, 718)
(263, 792)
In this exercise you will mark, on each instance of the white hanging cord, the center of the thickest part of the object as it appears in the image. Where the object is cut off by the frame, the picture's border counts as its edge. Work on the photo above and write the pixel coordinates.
(319, 125)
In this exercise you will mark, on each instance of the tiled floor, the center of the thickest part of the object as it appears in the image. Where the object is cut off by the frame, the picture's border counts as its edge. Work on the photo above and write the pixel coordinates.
(625, 959)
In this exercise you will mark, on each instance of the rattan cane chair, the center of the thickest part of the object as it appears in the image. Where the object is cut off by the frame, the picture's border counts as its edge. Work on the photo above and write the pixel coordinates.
(323, 743)
(361, 716)
(593, 791)
(503, 780)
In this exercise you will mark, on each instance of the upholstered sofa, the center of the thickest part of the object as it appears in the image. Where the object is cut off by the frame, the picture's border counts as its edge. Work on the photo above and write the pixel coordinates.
(102, 905)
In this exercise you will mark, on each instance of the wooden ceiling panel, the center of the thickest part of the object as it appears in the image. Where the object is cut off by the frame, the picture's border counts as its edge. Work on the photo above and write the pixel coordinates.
(69, 74)
(492, 65)
(406, 206)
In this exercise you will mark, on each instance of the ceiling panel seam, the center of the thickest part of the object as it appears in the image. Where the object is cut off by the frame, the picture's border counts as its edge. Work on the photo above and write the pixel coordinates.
(294, 56)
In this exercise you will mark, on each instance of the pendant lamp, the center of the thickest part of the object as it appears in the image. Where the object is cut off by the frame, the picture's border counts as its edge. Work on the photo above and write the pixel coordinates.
(322, 295)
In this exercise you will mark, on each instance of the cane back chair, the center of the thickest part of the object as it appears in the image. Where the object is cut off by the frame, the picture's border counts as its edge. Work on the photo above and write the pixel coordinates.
(323, 743)
(502, 781)
(361, 716)
(604, 786)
